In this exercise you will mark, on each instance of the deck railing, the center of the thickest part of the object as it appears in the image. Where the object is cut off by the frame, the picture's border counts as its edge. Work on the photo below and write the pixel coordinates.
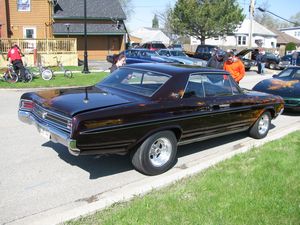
(53, 46)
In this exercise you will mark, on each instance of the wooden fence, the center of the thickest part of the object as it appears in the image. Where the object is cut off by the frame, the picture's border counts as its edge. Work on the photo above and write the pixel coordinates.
(58, 45)
(42, 50)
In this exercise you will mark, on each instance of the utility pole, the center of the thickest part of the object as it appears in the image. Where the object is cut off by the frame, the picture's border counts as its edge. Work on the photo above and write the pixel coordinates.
(251, 13)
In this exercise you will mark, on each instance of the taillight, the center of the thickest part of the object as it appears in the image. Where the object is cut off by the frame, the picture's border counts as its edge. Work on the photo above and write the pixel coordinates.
(27, 105)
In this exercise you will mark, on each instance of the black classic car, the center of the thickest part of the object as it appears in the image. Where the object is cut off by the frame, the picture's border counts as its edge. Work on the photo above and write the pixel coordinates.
(286, 84)
(147, 110)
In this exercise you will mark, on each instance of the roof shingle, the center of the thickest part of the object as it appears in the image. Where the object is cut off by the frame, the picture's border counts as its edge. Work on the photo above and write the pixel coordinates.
(96, 9)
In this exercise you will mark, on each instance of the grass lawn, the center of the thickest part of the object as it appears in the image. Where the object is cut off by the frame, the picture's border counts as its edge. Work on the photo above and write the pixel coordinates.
(261, 186)
(59, 80)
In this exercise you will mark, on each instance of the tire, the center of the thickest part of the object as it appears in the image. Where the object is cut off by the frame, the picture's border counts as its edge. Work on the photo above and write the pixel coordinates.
(68, 74)
(28, 76)
(272, 66)
(156, 154)
(11, 77)
(47, 74)
(261, 127)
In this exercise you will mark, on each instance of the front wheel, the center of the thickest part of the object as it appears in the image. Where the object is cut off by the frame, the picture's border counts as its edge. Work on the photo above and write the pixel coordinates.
(156, 154)
(261, 127)
(68, 74)
(11, 77)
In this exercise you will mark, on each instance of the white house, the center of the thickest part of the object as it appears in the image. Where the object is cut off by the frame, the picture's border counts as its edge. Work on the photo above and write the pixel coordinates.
(293, 31)
(241, 37)
(151, 34)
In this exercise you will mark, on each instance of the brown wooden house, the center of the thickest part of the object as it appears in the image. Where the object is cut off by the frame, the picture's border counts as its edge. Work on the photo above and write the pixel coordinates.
(43, 19)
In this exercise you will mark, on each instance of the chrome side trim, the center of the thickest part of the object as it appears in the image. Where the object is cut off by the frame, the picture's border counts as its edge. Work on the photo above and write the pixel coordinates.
(56, 135)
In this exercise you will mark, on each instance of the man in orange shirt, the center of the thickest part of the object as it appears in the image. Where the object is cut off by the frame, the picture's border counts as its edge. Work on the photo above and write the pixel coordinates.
(235, 67)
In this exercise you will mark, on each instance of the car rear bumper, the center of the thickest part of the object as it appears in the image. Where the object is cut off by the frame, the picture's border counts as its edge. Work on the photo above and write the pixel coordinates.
(55, 135)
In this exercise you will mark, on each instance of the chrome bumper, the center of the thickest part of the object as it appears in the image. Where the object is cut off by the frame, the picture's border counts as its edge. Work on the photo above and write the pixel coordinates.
(56, 135)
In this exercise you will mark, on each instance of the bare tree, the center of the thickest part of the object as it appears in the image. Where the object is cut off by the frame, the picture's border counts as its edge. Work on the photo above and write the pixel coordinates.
(127, 7)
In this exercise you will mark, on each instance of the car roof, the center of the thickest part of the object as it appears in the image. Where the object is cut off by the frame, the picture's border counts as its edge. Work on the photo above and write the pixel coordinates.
(173, 69)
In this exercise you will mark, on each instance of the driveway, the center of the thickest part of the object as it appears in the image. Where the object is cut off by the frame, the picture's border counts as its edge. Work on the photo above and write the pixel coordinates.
(41, 183)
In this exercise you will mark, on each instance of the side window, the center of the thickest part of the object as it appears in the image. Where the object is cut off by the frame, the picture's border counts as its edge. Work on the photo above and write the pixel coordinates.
(217, 85)
(297, 74)
(285, 73)
(163, 52)
(194, 87)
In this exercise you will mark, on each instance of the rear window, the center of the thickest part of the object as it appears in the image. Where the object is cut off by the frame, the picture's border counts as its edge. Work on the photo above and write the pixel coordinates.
(158, 45)
(136, 81)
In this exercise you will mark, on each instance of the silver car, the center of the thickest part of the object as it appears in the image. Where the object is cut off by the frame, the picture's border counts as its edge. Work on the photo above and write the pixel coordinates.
(181, 57)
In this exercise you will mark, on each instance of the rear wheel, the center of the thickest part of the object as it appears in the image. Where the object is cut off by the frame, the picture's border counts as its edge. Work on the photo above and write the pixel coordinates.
(11, 77)
(68, 74)
(261, 127)
(272, 66)
(156, 154)
(28, 76)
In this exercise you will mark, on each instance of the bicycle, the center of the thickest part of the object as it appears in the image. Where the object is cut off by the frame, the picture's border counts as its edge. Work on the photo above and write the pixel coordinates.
(10, 75)
(44, 72)
(67, 73)
(13, 76)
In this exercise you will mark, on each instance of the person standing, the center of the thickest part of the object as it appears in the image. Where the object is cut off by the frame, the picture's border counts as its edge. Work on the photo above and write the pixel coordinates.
(217, 60)
(261, 62)
(121, 61)
(235, 67)
(14, 56)
(294, 57)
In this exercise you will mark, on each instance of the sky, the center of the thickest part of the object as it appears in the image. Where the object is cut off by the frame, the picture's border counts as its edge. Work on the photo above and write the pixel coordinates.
(144, 10)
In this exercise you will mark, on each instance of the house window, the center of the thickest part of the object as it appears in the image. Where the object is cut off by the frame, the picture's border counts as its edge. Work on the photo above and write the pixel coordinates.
(29, 32)
(23, 5)
(241, 40)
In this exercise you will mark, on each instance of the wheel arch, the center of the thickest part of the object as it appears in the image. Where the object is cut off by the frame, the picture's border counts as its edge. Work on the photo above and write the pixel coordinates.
(177, 130)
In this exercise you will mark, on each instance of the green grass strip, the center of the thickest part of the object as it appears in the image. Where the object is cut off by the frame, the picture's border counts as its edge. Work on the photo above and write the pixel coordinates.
(261, 186)
(59, 80)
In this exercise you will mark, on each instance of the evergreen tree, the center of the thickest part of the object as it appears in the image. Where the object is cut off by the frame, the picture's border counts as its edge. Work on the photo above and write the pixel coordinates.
(155, 23)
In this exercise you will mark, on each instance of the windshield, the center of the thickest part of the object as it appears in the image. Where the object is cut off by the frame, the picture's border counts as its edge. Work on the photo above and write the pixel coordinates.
(177, 53)
(136, 81)
(148, 53)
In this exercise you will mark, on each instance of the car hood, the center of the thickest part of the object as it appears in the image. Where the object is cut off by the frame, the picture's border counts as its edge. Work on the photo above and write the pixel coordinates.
(283, 88)
(74, 100)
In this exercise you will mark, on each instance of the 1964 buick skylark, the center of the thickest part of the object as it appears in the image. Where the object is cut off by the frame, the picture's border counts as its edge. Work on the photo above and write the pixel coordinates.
(147, 110)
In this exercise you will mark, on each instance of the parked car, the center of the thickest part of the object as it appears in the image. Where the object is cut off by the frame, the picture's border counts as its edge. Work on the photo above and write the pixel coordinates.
(138, 55)
(286, 61)
(286, 84)
(203, 52)
(153, 45)
(272, 61)
(147, 110)
(181, 57)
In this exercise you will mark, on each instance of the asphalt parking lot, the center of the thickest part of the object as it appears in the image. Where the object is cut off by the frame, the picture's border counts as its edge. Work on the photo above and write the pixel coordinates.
(41, 183)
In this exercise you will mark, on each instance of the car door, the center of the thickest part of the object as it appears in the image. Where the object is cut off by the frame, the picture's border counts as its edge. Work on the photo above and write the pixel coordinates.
(215, 106)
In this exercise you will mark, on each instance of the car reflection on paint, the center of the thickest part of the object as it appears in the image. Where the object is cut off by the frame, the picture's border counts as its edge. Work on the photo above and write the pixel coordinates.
(147, 110)
(286, 84)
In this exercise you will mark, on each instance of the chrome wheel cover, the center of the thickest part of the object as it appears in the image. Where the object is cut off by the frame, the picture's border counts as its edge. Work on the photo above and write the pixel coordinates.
(263, 125)
(160, 152)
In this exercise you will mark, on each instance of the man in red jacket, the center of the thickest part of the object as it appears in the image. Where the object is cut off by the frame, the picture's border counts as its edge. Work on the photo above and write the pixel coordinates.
(15, 57)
